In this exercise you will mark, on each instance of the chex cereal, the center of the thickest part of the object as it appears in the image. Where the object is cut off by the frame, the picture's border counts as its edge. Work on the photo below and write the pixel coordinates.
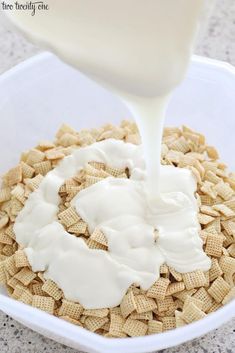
(175, 299)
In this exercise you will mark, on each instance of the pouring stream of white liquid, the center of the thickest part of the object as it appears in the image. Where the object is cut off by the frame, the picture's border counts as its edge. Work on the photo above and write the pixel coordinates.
(139, 49)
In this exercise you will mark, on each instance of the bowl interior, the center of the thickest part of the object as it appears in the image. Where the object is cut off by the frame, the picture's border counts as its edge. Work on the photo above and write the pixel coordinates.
(42, 93)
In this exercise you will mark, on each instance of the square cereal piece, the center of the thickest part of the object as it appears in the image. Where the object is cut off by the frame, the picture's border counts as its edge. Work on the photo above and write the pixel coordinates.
(13, 282)
(164, 269)
(37, 289)
(177, 276)
(229, 297)
(34, 156)
(96, 312)
(204, 219)
(4, 219)
(71, 309)
(203, 296)
(116, 325)
(128, 304)
(78, 228)
(26, 297)
(99, 237)
(44, 303)
(194, 279)
(227, 265)
(5, 194)
(54, 154)
(14, 176)
(18, 291)
(135, 328)
(43, 167)
(231, 250)
(169, 323)
(179, 321)
(175, 288)
(5, 239)
(215, 270)
(95, 323)
(25, 276)
(21, 259)
(214, 307)
(192, 313)
(148, 315)
(158, 289)
(69, 217)
(71, 321)
(144, 304)
(27, 171)
(34, 183)
(3, 278)
(224, 190)
(10, 266)
(224, 210)
(214, 245)
(219, 289)
(229, 226)
(52, 289)
(166, 304)
(197, 302)
(154, 327)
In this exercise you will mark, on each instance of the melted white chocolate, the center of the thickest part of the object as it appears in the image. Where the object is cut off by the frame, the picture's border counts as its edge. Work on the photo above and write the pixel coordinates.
(121, 209)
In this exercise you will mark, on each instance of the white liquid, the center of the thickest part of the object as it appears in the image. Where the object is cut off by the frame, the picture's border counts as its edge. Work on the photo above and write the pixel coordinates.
(119, 207)
(139, 49)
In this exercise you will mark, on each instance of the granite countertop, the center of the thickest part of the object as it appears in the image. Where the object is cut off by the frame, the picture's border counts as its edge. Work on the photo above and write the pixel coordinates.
(218, 42)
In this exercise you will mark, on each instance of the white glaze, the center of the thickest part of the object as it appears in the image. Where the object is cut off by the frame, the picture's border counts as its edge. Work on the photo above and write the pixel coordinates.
(120, 208)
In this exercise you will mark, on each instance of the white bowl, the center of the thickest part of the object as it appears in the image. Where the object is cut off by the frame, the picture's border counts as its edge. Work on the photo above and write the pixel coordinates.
(41, 93)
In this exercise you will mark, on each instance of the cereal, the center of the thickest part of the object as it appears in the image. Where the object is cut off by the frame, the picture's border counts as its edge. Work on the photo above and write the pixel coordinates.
(44, 303)
(21, 259)
(69, 217)
(34, 183)
(227, 265)
(42, 167)
(175, 288)
(96, 312)
(215, 270)
(34, 156)
(128, 304)
(192, 313)
(116, 325)
(14, 176)
(175, 299)
(158, 289)
(134, 328)
(52, 289)
(99, 237)
(154, 326)
(71, 309)
(230, 296)
(144, 304)
(219, 289)
(194, 279)
(95, 323)
(179, 321)
(169, 323)
(214, 245)
(25, 276)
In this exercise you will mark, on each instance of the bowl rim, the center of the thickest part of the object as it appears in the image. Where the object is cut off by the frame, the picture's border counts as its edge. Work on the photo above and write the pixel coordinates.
(92, 341)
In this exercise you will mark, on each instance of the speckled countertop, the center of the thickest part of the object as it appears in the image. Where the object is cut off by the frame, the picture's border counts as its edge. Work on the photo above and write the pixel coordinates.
(218, 42)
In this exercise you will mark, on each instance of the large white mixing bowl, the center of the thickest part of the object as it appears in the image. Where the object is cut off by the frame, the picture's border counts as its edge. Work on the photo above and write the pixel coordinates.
(42, 93)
